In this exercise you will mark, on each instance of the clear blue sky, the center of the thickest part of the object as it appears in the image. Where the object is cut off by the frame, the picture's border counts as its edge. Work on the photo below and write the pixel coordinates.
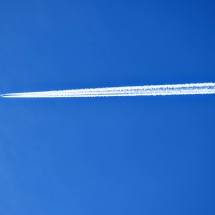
(98, 156)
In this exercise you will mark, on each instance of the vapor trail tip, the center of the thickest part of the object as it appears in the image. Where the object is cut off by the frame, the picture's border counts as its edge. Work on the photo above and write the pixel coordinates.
(2, 95)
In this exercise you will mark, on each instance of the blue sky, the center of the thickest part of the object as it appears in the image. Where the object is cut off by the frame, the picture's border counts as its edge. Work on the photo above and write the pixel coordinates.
(139, 155)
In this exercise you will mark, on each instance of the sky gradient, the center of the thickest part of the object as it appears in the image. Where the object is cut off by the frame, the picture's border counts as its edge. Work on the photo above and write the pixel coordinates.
(127, 155)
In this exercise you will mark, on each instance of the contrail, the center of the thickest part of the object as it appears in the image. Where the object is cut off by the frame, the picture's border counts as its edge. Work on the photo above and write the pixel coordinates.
(147, 90)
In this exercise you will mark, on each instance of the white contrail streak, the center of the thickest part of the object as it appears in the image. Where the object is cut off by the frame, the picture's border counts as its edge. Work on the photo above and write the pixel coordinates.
(150, 90)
